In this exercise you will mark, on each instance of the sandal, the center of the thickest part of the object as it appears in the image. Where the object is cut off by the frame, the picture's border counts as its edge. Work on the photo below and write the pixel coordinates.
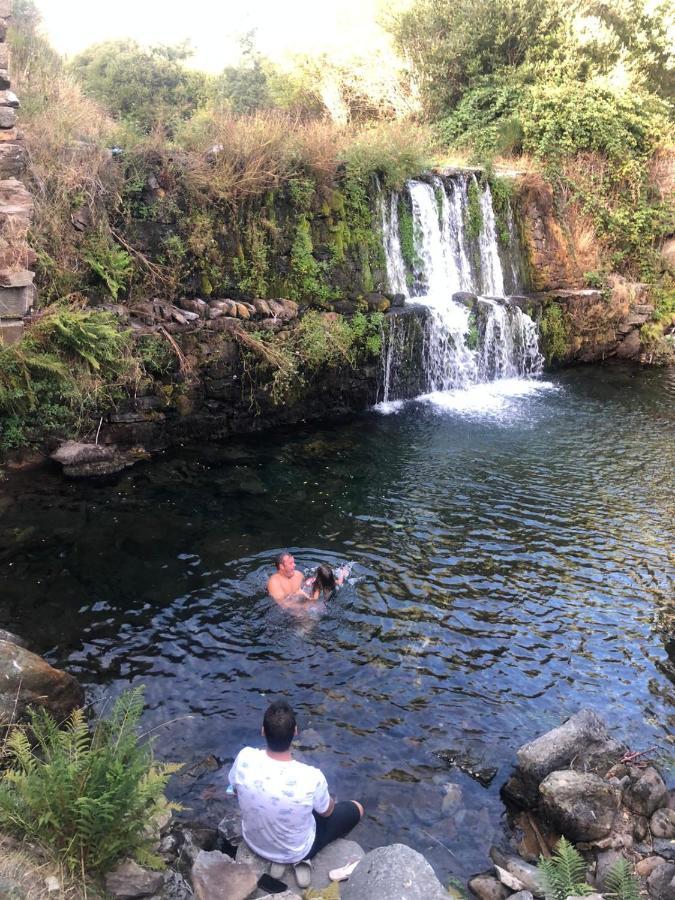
(303, 873)
(343, 873)
(277, 869)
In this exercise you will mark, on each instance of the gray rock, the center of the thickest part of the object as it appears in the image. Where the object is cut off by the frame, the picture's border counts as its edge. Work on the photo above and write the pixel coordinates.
(582, 806)
(664, 848)
(217, 877)
(175, 887)
(522, 895)
(285, 895)
(527, 874)
(229, 827)
(662, 823)
(452, 799)
(487, 887)
(396, 872)
(661, 883)
(646, 794)
(129, 880)
(558, 748)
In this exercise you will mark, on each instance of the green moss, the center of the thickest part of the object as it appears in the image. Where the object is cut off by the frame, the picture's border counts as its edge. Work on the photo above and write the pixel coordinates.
(501, 190)
(474, 214)
(554, 333)
(471, 335)
(406, 234)
(438, 194)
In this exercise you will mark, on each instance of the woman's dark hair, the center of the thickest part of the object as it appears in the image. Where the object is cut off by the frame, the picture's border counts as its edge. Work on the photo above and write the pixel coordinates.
(325, 579)
(279, 726)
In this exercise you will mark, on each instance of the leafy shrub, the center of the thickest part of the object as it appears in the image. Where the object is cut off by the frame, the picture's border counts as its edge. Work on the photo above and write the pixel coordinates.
(394, 150)
(111, 263)
(86, 797)
(554, 334)
(564, 873)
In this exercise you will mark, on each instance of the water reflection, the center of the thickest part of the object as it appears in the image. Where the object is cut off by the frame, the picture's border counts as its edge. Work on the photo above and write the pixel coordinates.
(509, 567)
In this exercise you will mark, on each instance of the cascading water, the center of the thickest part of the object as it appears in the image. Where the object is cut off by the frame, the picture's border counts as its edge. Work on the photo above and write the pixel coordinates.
(478, 335)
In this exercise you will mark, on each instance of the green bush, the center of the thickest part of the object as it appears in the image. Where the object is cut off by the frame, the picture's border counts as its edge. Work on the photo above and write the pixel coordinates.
(87, 797)
(110, 263)
(555, 334)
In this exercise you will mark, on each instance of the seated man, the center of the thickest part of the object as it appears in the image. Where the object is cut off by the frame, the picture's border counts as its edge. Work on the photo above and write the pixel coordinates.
(287, 814)
(286, 581)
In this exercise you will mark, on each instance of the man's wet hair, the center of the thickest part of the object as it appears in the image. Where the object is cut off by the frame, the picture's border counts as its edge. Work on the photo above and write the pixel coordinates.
(279, 726)
(280, 558)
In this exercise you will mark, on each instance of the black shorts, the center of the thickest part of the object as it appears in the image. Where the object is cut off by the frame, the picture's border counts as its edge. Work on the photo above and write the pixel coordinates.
(339, 823)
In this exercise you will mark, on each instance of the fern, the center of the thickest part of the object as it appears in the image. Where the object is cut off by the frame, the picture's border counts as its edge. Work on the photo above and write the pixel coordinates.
(564, 873)
(621, 882)
(89, 798)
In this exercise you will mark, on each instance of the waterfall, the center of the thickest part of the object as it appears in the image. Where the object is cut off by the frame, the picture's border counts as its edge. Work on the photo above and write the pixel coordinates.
(472, 332)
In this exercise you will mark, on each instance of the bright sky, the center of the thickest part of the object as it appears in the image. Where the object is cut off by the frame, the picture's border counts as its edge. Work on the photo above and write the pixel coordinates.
(213, 26)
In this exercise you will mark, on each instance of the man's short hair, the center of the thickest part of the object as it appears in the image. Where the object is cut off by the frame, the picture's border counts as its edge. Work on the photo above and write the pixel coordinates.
(280, 558)
(279, 726)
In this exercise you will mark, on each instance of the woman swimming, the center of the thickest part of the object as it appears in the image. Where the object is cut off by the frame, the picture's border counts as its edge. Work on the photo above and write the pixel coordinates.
(322, 584)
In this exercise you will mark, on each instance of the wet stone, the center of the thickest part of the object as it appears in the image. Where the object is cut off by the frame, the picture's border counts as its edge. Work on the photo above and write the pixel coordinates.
(487, 887)
(646, 794)
(662, 823)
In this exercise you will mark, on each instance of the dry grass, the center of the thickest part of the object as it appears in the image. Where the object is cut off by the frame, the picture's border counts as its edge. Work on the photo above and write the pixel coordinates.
(30, 867)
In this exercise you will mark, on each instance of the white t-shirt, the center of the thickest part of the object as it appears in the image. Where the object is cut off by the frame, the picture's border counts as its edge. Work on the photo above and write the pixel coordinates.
(276, 800)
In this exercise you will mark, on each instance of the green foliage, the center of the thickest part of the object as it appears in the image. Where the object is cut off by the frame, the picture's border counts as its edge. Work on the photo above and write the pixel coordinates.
(471, 336)
(394, 151)
(288, 362)
(621, 883)
(564, 873)
(156, 355)
(554, 333)
(306, 279)
(142, 85)
(501, 190)
(406, 234)
(110, 263)
(86, 797)
(69, 364)
(474, 213)
(245, 87)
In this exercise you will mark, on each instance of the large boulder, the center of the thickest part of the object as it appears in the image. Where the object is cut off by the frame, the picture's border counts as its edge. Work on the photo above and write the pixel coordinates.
(27, 680)
(396, 871)
(647, 794)
(580, 735)
(129, 880)
(661, 883)
(582, 806)
(336, 855)
(217, 877)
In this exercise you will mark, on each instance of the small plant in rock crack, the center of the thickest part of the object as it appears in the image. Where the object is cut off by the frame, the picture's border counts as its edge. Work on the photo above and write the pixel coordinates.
(621, 882)
(564, 873)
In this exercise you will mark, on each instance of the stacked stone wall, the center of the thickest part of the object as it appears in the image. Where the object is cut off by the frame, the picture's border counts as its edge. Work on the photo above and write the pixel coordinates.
(17, 294)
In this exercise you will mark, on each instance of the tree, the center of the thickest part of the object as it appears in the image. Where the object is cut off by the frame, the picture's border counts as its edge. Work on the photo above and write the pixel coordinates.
(142, 85)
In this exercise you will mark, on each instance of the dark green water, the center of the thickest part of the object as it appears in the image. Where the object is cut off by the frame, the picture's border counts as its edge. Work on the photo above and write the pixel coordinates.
(511, 564)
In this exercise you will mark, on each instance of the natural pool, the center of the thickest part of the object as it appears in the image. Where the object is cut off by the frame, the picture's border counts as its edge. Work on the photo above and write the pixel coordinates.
(511, 564)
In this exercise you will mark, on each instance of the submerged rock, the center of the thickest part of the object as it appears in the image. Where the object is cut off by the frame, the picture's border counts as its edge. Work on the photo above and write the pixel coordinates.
(487, 887)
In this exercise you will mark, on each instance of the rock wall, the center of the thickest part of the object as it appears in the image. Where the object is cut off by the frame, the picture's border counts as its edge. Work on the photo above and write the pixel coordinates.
(16, 205)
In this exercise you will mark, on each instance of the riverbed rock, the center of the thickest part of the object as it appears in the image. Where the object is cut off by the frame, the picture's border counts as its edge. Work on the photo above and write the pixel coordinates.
(604, 861)
(665, 848)
(647, 794)
(558, 748)
(217, 877)
(129, 880)
(526, 874)
(661, 882)
(662, 823)
(487, 887)
(27, 680)
(581, 805)
(647, 865)
(175, 887)
(396, 871)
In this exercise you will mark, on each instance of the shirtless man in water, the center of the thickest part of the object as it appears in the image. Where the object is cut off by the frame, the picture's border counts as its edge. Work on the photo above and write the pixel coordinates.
(286, 581)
